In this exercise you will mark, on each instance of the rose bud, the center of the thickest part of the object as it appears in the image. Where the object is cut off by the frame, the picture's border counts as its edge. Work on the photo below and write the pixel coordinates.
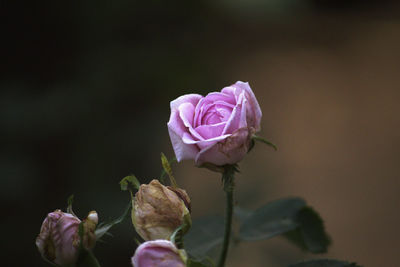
(58, 241)
(215, 129)
(159, 210)
(159, 253)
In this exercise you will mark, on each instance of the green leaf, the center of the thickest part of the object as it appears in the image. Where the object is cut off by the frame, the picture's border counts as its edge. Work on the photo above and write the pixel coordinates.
(242, 214)
(324, 263)
(260, 139)
(274, 218)
(310, 234)
(167, 169)
(205, 236)
(129, 183)
(299, 223)
(102, 229)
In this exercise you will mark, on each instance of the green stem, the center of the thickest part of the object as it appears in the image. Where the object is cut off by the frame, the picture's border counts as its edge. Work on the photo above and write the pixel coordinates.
(227, 177)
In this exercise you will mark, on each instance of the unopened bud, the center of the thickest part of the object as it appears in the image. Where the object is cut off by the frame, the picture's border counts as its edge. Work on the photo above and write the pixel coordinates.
(161, 253)
(159, 210)
(58, 240)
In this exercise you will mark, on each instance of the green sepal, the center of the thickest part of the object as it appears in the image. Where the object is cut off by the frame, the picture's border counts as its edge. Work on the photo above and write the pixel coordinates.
(103, 228)
(262, 140)
(167, 170)
(177, 235)
(86, 257)
(70, 201)
(130, 183)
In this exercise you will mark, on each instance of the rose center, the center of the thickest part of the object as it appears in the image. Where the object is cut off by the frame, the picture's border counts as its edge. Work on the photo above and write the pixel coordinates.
(217, 113)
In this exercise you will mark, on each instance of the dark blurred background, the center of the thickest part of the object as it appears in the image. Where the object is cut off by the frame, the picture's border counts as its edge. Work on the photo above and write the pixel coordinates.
(84, 101)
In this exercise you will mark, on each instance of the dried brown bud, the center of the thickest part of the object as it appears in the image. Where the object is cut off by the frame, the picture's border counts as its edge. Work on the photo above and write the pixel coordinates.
(158, 210)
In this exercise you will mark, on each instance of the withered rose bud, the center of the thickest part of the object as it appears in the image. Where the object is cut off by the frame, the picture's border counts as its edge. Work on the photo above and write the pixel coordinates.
(59, 240)
(159, 253)
(159, 210)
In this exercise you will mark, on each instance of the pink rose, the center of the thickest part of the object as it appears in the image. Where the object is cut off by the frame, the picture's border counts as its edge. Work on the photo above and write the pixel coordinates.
(159, 253)
(58, 241)
(216, 128)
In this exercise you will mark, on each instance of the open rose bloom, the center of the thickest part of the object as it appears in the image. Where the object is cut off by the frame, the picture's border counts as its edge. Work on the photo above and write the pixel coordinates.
(217, 128)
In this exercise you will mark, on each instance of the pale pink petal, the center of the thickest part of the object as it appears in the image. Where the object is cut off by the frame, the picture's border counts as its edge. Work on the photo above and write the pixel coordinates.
(186, 116)
(229, 151)
(230, 91)
(201, 144)
(211, 131)
(220, 96)
(182, 150)
(189, 98)
(161, 253)
(186, 113)
(254, 113)
(243, 117)
(236, 120)
(176, 123)
(177, 129)
(201, 108)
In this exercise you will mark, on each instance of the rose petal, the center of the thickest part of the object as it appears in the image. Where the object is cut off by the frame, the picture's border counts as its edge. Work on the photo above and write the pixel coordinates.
(230, 91)
(211, 131)
(188, 139)
(254, 113)
(210, 100)
(176, 130)
(238, 116)
(229, 151)
(243, 113)
(161, 253)
(186, 112)
(220, 96)
(201, 109)
(189, 98)
(176, 123)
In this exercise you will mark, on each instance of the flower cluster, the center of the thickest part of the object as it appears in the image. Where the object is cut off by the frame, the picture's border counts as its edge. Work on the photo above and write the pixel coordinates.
(157, 212)
(215, 131)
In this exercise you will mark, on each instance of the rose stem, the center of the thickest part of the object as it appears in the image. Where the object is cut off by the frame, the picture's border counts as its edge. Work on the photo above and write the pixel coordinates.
(227, 178)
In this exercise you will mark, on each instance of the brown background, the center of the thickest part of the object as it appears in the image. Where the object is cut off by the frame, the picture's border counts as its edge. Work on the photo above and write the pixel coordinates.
(84, 101)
